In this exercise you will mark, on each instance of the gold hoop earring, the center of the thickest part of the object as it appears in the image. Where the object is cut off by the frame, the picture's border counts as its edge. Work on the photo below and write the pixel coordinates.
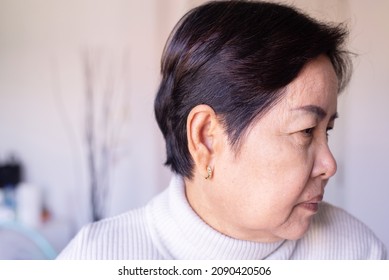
(209, 173)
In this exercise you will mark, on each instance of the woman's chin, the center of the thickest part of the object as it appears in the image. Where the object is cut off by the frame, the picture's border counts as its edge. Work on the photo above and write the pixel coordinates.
(296, 230)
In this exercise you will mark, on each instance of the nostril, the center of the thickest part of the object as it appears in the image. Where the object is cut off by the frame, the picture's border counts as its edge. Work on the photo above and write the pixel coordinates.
(330, 165)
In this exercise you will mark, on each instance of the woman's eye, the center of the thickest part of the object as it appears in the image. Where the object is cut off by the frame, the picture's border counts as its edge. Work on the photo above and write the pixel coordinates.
(308, 132)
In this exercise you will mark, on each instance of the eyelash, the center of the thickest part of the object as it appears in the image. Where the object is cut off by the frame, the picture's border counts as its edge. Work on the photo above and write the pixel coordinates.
(309, 131)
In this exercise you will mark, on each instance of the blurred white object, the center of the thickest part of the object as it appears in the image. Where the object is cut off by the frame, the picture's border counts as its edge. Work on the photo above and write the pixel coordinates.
(6, 214)
(29, 205)
(20, 242)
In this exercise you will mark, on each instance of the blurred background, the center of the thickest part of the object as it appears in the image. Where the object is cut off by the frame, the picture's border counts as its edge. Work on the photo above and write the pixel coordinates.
(78, 140)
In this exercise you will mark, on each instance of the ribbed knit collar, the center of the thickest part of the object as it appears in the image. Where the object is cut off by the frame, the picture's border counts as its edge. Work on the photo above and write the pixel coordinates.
(179, 233)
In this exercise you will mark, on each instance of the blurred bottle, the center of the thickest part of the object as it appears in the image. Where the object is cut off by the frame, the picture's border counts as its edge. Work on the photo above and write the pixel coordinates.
(6, 214)
(10, 176)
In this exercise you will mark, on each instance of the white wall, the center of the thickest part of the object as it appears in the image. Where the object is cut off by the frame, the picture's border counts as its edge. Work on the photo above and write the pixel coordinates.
(42, 100)
(42, 96)
(366, 135)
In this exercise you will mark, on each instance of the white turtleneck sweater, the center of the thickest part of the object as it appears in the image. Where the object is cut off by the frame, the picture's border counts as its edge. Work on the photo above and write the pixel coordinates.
(168, 228)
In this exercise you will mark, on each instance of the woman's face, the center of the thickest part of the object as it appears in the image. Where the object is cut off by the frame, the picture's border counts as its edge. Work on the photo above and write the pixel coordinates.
(273, 186)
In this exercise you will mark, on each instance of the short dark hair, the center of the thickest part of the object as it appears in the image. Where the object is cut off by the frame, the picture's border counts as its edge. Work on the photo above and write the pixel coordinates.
(237, 57)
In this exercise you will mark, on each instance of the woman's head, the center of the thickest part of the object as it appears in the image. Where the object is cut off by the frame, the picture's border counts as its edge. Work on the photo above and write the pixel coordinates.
(237, 57)
(273, 186)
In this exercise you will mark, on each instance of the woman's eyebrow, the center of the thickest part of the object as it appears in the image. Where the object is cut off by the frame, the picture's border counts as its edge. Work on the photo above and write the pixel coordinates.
(318, 111)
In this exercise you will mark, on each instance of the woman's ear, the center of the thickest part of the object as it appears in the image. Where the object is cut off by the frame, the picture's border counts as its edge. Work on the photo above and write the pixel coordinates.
(201, 126)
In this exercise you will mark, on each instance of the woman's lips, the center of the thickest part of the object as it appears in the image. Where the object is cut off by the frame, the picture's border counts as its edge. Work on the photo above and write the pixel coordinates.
(312, 204)
(314, 207)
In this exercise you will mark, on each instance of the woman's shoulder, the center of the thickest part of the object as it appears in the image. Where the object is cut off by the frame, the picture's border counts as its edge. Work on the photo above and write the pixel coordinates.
(124, 236)
(344, 235)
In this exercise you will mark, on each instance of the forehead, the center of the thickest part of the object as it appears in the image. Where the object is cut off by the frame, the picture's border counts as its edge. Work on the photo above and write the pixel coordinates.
(316, 84)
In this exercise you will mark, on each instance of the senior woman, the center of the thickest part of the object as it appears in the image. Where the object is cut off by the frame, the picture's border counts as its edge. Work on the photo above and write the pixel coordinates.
(248, 94)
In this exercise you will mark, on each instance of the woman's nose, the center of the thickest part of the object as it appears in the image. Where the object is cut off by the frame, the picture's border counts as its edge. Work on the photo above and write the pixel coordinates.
(325, 163)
